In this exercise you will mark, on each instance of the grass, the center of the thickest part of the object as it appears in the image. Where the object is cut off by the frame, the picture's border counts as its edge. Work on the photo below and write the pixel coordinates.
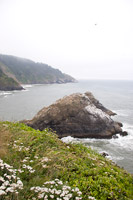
(40, 157)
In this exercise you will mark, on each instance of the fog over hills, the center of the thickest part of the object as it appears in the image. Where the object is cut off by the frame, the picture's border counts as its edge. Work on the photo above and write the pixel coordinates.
(15, 71)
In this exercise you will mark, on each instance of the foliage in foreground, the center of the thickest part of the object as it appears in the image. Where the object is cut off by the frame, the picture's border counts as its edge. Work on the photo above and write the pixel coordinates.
(37, 165)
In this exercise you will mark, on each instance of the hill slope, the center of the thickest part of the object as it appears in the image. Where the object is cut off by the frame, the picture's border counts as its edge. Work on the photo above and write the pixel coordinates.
(26, 71)
(31, 160)
(8, 83)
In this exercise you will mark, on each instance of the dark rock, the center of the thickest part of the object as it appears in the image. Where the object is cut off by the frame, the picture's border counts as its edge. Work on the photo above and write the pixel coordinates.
(124, 133)
(120, 124)
(115, 136)
(11, 88)
(104, 154)
(78, 115)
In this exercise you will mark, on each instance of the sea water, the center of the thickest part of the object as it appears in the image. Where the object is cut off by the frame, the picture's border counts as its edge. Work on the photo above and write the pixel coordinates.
(115, 95)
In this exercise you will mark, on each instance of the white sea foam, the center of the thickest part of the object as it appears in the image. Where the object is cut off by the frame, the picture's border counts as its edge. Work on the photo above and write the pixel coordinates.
(128, 127)
(115, 158)
(122, 113)
(68, 139)
(27, 86)
(114, 147)
(125, 142)
(4, 94)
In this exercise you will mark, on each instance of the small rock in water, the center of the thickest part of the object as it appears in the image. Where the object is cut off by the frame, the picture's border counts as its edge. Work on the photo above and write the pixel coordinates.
(104, 154)
(124, 133)
(115, 136)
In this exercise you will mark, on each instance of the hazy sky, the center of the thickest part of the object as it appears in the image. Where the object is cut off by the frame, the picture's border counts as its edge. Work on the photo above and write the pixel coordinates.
(84, 38)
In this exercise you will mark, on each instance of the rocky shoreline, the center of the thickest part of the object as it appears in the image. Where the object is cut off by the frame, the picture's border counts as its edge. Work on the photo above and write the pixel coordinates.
(77, 115)
(11, 88)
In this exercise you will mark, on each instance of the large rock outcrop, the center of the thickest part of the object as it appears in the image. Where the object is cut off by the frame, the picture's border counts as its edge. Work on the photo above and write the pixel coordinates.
(78, 115)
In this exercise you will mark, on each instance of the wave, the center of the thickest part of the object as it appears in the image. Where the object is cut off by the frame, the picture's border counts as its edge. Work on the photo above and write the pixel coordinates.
(121, 142)
(3, 93)
(128, 127)
(125, 142)
(68, 139)
(122, 113)
(27, 86)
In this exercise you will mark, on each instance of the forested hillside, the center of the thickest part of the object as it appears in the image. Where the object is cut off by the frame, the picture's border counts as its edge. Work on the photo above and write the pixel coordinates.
(25, 71)
(8, 83)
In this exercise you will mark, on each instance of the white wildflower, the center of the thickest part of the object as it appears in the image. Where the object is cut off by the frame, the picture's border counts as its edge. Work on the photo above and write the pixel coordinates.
(31, 170)
(6, 183)
(60, 182)
(26, 148)
(20, 171)
(65, 187)
(20, 184)
(79, 193)
(36, 157)
(45, 159)
(5, 175)
(58, 192)
(69, 195)
(44, 166)
(37, 189)
(57, 179)
(76, 189)
(14, 177)
(32, 188)
(92, 198)
(24, 160)
(10, 189)
(46, 197)
(9, 177)
(40, 196)
(2, 192)
(2, 187)
(66, 198)
(8, 186)
(62, 194)
(52, 182)
(54, 193)
(2, 179)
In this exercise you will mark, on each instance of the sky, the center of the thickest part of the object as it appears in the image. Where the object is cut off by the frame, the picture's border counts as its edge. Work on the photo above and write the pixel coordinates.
(88, 39)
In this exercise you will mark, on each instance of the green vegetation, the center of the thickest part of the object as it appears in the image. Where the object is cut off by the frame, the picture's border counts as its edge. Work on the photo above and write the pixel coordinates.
(43, 165)
(8, 83)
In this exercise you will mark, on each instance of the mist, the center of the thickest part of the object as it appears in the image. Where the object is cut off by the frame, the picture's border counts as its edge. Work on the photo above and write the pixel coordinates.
(86, 39)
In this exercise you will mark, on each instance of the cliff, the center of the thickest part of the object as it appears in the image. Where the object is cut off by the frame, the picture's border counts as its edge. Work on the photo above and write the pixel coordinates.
(8, 83)
(24, 71)
(78, 115)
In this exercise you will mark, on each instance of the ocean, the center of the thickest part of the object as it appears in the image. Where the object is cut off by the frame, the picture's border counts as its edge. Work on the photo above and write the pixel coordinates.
(115, 95)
